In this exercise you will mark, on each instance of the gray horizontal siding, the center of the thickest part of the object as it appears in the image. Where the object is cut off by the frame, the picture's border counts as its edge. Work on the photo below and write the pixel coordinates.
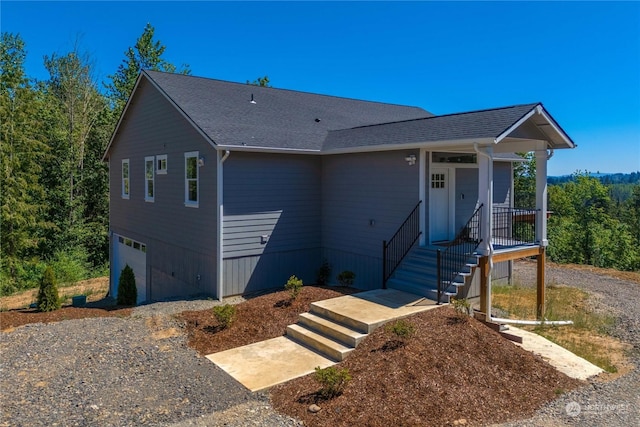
(270, 195)
(368, 269)
(502, 177)
(358, 188)
(248, 274)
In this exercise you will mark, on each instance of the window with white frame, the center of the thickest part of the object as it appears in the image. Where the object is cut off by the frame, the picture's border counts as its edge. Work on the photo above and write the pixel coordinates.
(161, 164)
(148, 178)
(125, 178)
(191, 179)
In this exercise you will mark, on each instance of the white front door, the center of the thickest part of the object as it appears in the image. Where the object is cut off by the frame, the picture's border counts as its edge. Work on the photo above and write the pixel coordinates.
(439, 209)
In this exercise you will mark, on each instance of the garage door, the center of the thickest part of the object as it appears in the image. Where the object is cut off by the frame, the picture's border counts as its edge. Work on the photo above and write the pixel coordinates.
(134, 253)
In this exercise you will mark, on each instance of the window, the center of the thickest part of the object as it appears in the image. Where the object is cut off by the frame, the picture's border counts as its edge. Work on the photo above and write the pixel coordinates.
(191, 179)
(125, 178)
(148, 179)
(437, 180)
(161, 164)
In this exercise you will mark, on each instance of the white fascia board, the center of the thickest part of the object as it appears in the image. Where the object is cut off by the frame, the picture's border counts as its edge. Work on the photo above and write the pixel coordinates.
(555, 127)
(517, 124)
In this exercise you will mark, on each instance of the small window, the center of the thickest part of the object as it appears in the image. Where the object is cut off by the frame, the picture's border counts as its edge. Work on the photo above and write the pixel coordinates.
(161, 164)
(437, 180)
(148, 179)
(191, 179)
(125, 178)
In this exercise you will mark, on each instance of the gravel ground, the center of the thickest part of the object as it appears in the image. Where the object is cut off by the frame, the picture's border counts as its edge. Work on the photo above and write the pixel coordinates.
(139, 371)
(120, 372)
(614, 403)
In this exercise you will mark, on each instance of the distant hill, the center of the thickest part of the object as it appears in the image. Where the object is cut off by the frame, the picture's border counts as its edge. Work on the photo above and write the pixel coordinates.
(605, 178)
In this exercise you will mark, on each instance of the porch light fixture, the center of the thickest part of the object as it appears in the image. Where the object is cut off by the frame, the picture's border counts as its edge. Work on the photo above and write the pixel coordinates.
(411, 159)
(201, 161)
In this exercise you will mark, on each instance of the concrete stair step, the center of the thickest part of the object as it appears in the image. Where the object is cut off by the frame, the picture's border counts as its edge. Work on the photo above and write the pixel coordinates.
(331, 329)
(322, 344)
(338, 318)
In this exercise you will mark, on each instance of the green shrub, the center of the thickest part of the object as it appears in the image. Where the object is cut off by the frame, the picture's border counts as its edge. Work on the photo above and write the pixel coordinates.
(48, 298)
(127, 292)
(323, 273)
(332, 380)
(225, 315)
(346, 278)
(461, 306)
(402, 329)
(71, 265)
(294, 286)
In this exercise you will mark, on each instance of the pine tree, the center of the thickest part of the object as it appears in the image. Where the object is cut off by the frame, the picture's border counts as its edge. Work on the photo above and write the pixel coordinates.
(127, 291)
(48, 299)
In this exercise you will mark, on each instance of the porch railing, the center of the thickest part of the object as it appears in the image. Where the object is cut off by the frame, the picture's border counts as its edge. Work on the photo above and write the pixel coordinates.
(514, 226)
(394, 250)
(452, 260)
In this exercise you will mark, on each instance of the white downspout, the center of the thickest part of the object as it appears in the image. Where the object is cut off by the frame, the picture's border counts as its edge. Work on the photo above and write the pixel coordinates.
(219, 237)
(488, 222)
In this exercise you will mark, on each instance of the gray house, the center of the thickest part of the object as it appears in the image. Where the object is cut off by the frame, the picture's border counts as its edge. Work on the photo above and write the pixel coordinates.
(222, 188)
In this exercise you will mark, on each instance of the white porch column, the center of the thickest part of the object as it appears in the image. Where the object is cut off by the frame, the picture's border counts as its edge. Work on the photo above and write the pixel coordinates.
(485, 196)
(422, 189)
(541, 197)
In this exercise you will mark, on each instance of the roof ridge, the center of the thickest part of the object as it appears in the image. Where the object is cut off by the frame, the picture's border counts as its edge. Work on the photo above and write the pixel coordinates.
(443, 115)
(287, 90)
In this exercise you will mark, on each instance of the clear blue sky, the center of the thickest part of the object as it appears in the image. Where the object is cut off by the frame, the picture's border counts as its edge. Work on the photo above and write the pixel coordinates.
(582, 60)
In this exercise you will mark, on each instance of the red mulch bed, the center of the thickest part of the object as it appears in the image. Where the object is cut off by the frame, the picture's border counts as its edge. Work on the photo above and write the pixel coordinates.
(454, 368)
(257, 319)
(13, 318)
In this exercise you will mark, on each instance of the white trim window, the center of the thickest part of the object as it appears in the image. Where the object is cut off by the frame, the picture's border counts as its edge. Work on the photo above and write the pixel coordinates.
(125, 178)
(161, 164)
(191, 182)
(148, 178)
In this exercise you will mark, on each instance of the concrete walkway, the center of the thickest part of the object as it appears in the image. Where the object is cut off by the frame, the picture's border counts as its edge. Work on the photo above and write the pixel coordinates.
(267, 363)
(558, 357)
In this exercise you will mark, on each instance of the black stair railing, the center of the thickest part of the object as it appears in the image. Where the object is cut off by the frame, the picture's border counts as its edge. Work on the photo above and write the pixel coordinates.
(452, 260)
(394, 250)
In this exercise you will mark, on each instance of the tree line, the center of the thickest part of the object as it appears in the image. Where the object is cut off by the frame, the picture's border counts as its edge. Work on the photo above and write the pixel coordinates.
(594, 220)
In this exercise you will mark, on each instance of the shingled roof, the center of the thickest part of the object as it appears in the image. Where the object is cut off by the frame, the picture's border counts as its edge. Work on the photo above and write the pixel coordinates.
(241, 116)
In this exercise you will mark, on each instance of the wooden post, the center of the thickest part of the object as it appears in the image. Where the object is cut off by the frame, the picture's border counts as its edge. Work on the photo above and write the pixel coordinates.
(484, 264)
(540, 308)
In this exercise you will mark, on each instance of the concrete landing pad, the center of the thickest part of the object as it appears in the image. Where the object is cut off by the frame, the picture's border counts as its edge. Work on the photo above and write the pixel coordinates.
(267, 363)
(558, 357)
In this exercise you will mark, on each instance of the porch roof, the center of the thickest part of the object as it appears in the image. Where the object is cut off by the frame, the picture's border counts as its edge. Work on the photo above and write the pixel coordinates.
(518, 122)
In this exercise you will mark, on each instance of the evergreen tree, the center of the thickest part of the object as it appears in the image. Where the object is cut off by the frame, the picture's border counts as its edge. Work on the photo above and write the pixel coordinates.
(524, 181)
(127, 291)
(48, 299)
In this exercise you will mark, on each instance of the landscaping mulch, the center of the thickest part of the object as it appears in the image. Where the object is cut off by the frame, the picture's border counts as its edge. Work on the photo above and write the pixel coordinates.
(455, 370)
(14, 318)
(257, 319)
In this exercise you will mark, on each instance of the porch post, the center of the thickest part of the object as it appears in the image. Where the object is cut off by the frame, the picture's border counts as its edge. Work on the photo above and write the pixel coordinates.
(485, 198)
(541, 197)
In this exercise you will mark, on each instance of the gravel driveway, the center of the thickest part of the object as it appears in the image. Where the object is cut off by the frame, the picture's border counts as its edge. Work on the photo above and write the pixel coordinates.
(120, 372)
(139, 371)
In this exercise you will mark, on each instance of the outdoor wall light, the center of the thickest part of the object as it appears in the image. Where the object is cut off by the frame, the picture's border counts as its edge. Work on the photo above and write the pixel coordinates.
(411, 159)
(201, 161)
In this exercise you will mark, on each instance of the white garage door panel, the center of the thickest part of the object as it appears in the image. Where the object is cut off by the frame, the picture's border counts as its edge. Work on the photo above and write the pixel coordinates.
(137, 260)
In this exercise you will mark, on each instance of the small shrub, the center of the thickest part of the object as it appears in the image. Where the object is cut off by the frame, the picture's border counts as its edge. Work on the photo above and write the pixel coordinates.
(225, 315)
(461, 306)
(401, 329)
(332, 380)
(294, 286)
(48, 298)
(323, 273)
(346, 278)
(127, 292)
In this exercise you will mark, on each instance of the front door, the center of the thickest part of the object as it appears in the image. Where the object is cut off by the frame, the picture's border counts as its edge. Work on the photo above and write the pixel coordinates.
(439, 204)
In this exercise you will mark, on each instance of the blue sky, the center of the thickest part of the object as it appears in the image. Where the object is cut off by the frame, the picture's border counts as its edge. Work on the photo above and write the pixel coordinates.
(582, 60)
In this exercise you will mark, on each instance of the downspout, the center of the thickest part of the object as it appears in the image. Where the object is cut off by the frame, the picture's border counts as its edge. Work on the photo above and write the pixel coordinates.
(490, 213)
(219, 178)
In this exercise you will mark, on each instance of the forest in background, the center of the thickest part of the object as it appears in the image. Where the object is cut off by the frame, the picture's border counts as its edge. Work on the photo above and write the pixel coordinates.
(54, 185)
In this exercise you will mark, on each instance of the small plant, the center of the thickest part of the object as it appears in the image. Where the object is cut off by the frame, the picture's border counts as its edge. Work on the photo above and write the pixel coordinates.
(127, 292)
(48, 298)
(323, 273)
(294, 286)
(401, 329)
(332, 380)
(461, 306)
(225, 315)
(346, 278)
